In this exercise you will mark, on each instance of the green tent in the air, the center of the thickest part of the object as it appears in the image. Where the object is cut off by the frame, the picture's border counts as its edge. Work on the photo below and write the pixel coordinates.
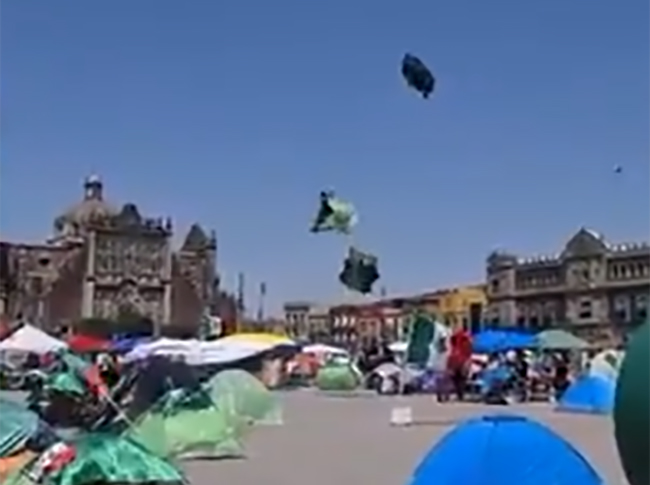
(360, 271)
(632, 408)
(334, 215)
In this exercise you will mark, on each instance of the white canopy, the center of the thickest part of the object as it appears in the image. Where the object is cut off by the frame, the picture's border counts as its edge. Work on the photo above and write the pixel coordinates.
(319, 349)
(197, 352)
(30, 339)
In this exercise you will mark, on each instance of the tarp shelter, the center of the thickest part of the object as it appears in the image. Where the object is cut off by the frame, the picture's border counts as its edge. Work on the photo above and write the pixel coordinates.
(198, 353)
(589, 394)
(558, 339)
(322, 349)
(87, 343)
(632, 408)
(481, 451)
(491, 341)
(30, 339)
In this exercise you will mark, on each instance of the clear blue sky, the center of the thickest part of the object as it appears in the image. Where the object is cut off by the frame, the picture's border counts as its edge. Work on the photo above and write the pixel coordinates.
(236, 114)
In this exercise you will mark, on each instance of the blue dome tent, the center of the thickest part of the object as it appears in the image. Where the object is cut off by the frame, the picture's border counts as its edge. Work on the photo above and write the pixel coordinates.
(589, 394)
(480, 451)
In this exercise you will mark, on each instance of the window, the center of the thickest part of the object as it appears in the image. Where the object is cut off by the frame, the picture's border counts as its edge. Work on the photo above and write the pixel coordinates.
(534, 321)
(521, 321)
(585, 310)
(641, 307)
(621, 309)
(495, 285)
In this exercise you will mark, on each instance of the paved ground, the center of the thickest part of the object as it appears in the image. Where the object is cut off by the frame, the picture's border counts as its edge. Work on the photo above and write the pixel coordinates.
(348, 441)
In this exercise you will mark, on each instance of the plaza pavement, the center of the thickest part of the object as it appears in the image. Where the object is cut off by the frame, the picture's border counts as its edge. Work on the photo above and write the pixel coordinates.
(348, 441)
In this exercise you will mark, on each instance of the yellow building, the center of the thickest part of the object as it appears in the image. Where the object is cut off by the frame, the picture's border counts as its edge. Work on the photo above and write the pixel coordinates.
(462, 307)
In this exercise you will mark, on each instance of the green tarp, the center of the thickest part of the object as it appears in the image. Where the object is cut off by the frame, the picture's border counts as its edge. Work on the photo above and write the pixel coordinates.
(632, 408)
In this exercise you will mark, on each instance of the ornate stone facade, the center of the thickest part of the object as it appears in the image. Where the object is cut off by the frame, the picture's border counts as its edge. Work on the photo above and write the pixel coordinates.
(105, 262)
(593, 288)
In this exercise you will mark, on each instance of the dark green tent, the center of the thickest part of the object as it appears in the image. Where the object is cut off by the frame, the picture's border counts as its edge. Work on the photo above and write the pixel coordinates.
(632, 408)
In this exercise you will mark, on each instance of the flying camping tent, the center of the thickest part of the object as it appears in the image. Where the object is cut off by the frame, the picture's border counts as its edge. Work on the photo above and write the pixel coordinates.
(334, 215)
(360, 271)
(417, 75)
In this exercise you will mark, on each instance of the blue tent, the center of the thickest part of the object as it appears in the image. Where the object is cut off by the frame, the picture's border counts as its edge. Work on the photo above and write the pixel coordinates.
(504, 450)
(589, 394)
(490, 341)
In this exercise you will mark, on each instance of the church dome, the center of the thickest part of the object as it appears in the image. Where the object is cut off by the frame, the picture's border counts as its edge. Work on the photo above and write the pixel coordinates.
(93, 207)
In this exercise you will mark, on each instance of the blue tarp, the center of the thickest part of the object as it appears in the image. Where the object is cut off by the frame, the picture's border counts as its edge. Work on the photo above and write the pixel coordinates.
(490, 341)
(124, 345)
(481, 451)
(589, 394)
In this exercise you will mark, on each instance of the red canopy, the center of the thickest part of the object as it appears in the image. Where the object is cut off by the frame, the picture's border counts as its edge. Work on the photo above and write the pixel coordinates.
(87, 343)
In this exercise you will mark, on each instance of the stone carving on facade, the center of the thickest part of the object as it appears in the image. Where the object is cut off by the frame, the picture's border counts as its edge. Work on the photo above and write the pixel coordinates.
(103, 261)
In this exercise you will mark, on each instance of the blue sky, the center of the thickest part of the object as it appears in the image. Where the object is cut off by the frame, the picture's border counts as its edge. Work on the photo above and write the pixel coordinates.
(236, 114)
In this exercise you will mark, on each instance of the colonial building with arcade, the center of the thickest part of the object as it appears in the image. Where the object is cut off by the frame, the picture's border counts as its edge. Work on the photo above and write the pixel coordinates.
(592, 287)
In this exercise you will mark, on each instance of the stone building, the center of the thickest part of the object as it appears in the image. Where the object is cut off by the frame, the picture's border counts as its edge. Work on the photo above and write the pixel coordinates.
(105, 262)
(593, 288)
(307, 321)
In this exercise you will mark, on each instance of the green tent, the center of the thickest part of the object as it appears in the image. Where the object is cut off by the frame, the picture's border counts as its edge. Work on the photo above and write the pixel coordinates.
(632, 408)
(17, 425)
(103, 458)
(557, 339)
(238, 393)
(185, 425)
(337, 377)
(334, 214)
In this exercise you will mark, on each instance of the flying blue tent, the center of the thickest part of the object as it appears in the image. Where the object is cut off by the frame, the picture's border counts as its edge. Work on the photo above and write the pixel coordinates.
(480, 451)
(589, 394)
(491, 341)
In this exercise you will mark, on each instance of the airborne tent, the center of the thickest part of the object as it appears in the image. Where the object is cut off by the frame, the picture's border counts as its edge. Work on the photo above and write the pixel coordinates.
(589, 394)
(480, 451)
